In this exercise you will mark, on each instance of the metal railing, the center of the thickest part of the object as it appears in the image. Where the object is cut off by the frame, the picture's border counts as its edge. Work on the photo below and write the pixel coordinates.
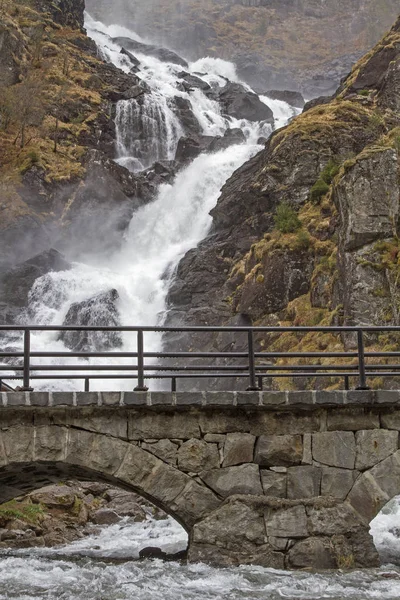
(253, 367)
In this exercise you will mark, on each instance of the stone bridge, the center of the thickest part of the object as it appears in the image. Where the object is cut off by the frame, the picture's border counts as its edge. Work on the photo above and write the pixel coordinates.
(279, 479)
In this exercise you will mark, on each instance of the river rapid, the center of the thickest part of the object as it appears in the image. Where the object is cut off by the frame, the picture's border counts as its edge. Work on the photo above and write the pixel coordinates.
(104, 566)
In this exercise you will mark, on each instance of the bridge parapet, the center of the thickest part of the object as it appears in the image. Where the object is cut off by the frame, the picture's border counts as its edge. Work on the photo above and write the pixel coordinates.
(267, 399)
(281, 479)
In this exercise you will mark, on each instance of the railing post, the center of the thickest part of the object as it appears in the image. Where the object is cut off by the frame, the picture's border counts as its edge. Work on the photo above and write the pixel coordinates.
(87, 384)
(253, 387)
(140, 363)
(27, 362)
(260, 382)
(362, 382)
(173, 384)
(346, 383)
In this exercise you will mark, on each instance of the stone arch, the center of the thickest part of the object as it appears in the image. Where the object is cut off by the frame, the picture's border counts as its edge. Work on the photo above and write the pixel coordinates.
(374, 488)
(31, 456)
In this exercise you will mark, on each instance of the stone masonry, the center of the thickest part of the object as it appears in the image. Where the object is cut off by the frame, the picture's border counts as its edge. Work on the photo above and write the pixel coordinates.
(279, 479)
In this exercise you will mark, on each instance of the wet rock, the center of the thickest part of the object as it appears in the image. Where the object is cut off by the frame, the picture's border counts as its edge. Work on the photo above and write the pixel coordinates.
(190, 148)
(106, 516)
(183, 109)
(239, 103)
(293, 98)
(162, 54)
(191, 82)
(135, 61)
(16, 283)
(152, 552)
(101, 310)
(231, 137)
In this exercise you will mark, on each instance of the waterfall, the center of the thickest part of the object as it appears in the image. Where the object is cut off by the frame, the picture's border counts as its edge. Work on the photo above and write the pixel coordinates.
(160, 233)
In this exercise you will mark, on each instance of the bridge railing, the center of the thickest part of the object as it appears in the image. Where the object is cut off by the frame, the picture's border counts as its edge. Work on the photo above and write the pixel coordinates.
(255, 365)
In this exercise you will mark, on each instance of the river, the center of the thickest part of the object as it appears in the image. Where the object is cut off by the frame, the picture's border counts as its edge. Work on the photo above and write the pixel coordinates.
(104, 566)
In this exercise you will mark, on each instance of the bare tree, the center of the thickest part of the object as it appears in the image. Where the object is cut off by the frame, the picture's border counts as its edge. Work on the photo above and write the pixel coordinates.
(28, 106)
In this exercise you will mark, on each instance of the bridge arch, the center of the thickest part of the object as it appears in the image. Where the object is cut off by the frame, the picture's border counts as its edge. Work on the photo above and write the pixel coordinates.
(31, 457)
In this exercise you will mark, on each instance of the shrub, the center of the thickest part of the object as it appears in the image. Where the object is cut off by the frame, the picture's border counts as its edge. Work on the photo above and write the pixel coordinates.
(319, 189)
(329, 172)
(303, 240)
(286, 219)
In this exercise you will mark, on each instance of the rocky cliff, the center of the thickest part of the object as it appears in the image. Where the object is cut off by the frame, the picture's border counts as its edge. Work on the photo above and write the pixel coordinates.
(57, 132)
(306, 233)
(309, 44)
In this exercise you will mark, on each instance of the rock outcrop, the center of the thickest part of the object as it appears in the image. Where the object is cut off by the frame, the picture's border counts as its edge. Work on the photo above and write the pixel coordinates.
(307, 45)
(306, 232)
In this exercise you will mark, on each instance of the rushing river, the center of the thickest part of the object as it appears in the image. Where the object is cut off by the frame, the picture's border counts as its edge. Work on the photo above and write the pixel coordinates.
(105, 567)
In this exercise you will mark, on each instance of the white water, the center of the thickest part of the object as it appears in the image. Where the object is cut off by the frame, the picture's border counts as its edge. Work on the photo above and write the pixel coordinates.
(163, 231)
(85, 570)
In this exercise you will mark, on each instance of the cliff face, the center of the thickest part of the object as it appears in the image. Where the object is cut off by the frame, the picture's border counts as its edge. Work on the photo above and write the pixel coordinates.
(307, 232)
(57, 103)
(308, 44)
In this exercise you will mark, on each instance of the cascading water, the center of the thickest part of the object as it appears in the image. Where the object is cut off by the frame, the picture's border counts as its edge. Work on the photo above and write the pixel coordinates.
(160, 233)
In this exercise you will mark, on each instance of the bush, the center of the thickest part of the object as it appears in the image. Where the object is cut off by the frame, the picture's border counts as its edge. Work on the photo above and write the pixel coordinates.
(330, 171)
(303, 240)
(286, 219)
(319, 189)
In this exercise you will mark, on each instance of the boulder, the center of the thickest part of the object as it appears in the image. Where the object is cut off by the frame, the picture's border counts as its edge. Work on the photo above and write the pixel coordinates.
(101, 310)
(191, 81)
(16, 283)
(183, 109)
(106, 516)
(190, 147)
(54, 496)
(293, 98)
(231, 137)
(162, 54)
(239, 103)
(135, 62)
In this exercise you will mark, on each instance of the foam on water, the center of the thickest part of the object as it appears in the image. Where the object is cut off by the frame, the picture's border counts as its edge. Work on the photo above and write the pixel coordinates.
(85, 570)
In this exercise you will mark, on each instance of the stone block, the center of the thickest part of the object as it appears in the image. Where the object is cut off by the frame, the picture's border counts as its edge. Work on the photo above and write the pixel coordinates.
(298, 398)
(39, 398)
(303, 482)
(162, 425)
(279, 451)
(135, 398)
(17, 398)
(215, 438)
(248, 398)
(340, 519)
(160, 398)
(238, 449)
(19, 444)
(335, 449)
(314, 552)
(307, 449)
(87, 398)
(389, 397)
(194, 503)
(337, 482)
(62, 398)
(282, 422)
(373, 446)
(99, 453)
(50, 443)
(287, 522)
(352, 419)
(364, 397)
(197, 455)
(219, 398)
(231, 525)
(189, 398)
(274, 484)
(335, 398)
(273, 398)
(222, 422)
(229, 481)
(391, 420)
(110, 398)
(163, 449)
(367, 498)
(387, 474)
